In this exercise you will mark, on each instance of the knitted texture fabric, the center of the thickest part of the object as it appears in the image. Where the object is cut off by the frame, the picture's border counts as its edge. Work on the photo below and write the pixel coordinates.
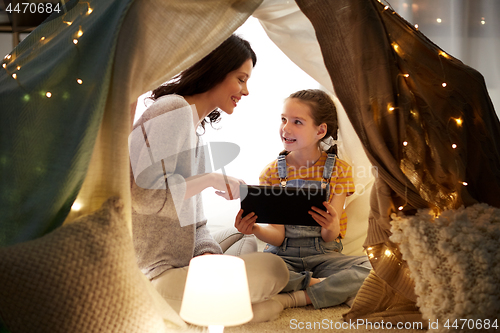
(168, 230)
(455, 261)
(82, 277)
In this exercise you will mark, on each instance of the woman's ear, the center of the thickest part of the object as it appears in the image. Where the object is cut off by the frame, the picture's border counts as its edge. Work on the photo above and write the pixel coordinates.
(322, 130)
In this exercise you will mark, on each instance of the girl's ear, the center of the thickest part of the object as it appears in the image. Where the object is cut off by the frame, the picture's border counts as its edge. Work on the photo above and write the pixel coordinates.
(322, 130)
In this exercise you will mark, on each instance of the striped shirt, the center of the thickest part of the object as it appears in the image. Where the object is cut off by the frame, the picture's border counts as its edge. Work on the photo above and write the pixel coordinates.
(341, 181)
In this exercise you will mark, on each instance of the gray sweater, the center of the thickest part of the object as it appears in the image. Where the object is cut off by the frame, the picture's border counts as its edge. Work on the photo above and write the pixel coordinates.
(167, 230)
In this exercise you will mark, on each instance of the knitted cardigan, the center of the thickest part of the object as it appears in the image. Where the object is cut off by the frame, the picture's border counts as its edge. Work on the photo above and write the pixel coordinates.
(167, 230)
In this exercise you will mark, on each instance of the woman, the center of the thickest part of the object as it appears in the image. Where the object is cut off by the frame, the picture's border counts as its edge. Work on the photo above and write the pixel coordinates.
(168, 166)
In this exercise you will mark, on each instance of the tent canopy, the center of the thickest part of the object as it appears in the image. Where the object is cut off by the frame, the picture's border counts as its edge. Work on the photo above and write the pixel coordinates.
(67, 94)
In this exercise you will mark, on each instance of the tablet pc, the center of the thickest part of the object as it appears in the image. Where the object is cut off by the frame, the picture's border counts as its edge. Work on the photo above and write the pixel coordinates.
(282, 205)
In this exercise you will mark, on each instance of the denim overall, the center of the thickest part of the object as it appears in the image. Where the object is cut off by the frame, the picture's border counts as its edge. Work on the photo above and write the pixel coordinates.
(307, 255)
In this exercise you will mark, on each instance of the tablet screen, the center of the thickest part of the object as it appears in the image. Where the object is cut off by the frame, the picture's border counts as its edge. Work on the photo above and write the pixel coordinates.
(282, 205)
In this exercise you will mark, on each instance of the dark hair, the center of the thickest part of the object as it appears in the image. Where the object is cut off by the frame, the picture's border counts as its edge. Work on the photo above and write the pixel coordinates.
(323, 110)
(209, 71)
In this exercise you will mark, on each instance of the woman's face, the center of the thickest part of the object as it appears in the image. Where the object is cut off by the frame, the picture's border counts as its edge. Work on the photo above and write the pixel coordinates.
(228, 93)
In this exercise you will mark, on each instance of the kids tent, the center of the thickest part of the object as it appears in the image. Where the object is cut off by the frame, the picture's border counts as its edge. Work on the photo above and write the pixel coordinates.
(422, 118)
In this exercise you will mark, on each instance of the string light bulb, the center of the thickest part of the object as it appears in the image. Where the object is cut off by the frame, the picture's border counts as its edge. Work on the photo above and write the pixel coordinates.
(14, 76)
(79, 33)
(438, 20)
(79, 81)
(90, 11)
(75, 41)
(386, 7)
(459, 121)
(406, 75)
(7, 57)
(4, 65)
(48, 94)
(483, 21)
(454, 146)
(400, 208)
(444, 84)
(18, 67)
(405, 143)
(76, 206)
(388, 253)
(416, 26)
(42, 39)
(444, 54)
(465, 183)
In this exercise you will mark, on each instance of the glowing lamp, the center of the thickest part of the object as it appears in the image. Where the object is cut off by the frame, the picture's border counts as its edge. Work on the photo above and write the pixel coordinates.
(216, 293)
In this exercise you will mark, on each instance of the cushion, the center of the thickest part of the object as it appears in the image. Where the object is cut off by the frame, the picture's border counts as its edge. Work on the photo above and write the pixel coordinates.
(82, 277)
(455, 261)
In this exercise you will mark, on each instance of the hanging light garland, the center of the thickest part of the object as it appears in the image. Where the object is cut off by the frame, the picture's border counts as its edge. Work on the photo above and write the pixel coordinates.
(9, 59)
(444, 85)
(12, 68)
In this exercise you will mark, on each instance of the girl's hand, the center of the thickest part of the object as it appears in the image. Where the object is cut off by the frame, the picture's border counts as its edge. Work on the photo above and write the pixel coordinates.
(246, 224)
(328, 220)
(222, 182)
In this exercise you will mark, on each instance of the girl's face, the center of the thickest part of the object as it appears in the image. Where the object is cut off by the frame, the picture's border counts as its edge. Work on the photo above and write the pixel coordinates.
(298, 131)
(228, 93)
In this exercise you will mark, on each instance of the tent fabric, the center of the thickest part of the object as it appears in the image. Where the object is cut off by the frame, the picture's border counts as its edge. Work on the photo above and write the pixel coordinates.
(74, 144)
(424, 118)
(46, 142)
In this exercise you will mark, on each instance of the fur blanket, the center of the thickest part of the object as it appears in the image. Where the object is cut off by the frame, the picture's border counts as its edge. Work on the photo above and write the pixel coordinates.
(454, 259)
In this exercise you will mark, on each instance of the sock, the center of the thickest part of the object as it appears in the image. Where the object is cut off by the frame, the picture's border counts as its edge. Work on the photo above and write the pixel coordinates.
(292, 300)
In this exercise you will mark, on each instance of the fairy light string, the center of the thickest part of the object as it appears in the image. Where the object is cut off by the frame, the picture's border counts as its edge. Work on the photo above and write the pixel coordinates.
(458, 121)
(14, 62)
(13, 68)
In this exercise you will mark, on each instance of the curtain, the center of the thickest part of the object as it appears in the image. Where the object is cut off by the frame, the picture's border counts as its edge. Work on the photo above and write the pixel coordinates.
(425, 120)
(95, 58)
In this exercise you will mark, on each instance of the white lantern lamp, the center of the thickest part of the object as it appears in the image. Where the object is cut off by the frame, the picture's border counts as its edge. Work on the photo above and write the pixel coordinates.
(216, 293)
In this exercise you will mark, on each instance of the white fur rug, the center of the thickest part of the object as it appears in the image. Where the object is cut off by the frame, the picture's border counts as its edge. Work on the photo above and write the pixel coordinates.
(455, 262)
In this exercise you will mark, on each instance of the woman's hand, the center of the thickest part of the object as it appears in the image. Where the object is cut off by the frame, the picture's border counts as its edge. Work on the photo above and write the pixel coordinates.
(245, 225)
(223, 184)
(328, 220)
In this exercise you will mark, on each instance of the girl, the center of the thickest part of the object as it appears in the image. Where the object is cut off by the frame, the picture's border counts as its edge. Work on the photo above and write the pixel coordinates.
(168, 225)
(319, 273)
